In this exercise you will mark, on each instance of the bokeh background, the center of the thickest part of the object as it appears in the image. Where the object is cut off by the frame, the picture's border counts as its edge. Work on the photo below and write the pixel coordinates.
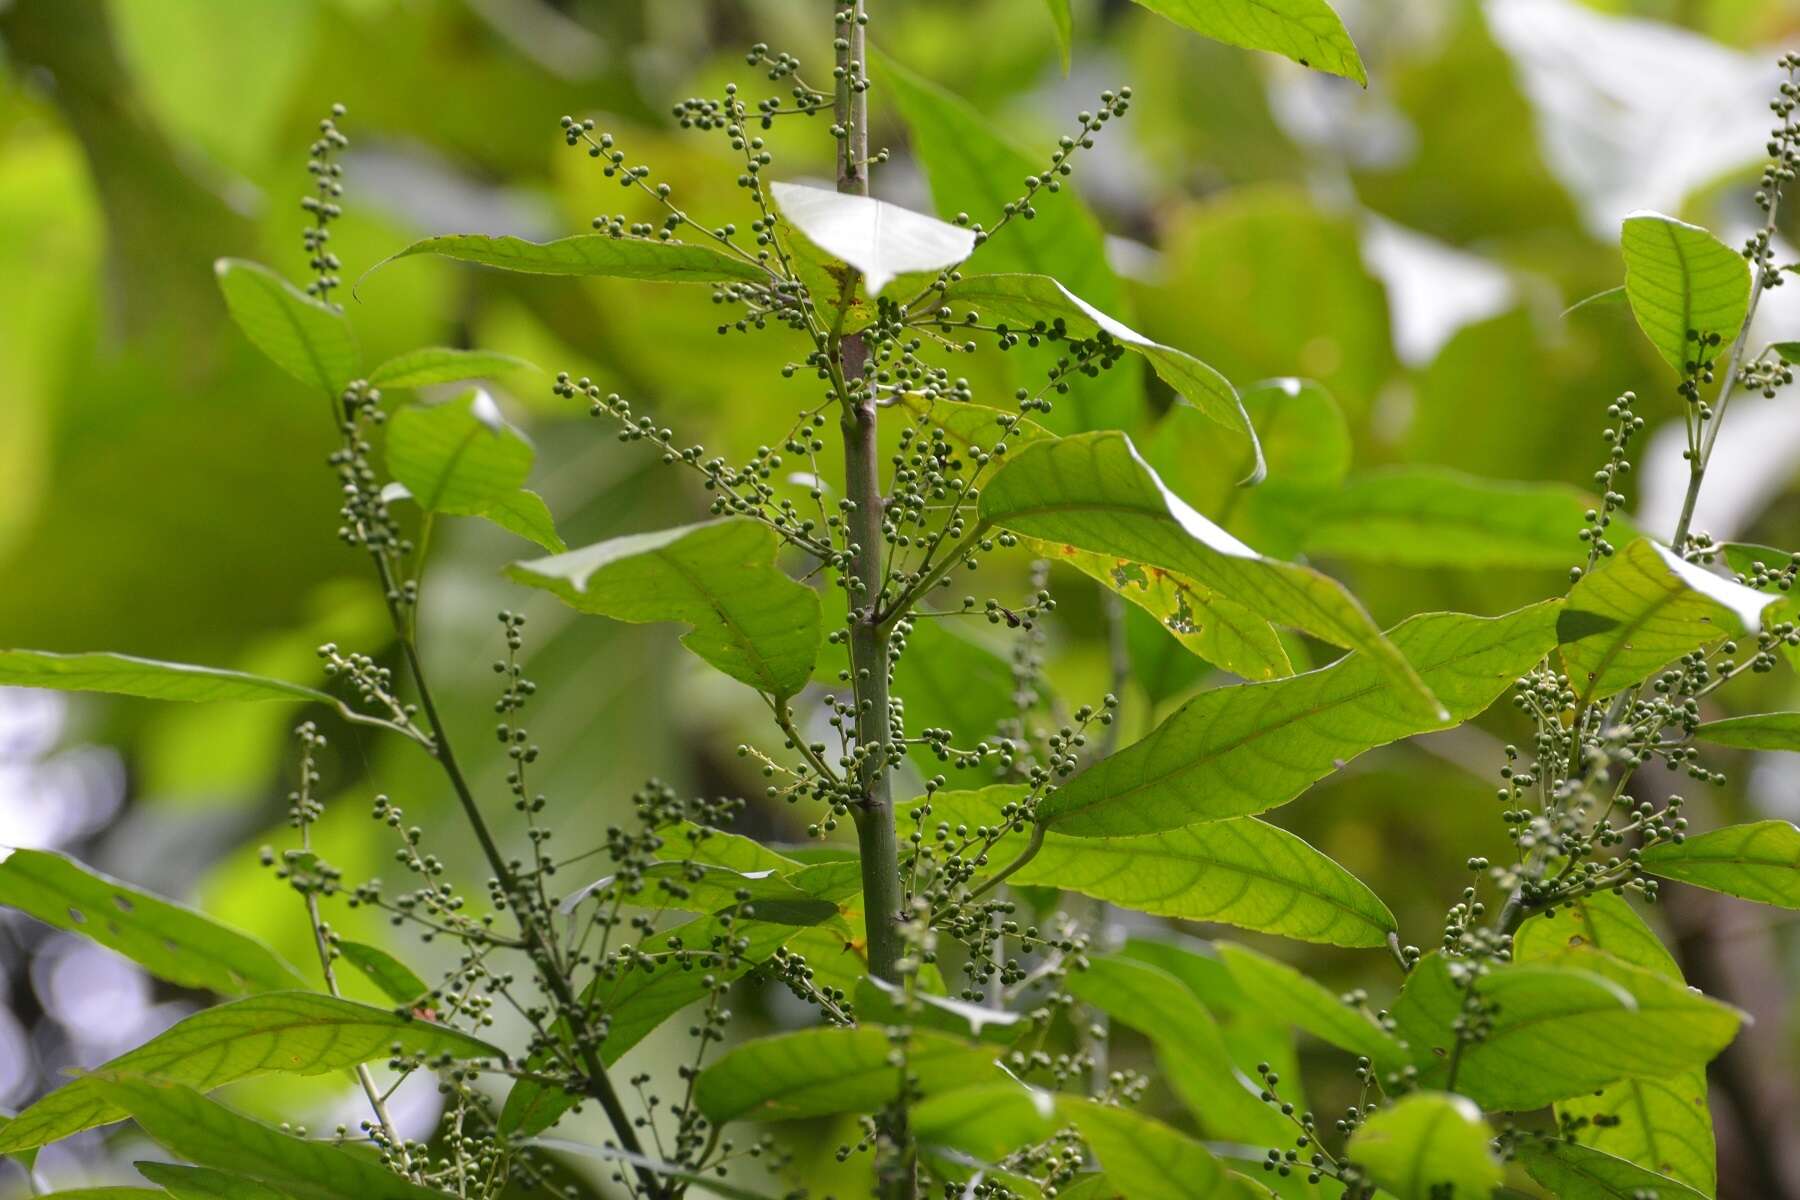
(163, 491)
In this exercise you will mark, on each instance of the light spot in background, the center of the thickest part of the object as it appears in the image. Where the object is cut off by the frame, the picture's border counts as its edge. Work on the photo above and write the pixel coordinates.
(414, 1107)
(1433, 289)
(17, 1068)
(48, 802)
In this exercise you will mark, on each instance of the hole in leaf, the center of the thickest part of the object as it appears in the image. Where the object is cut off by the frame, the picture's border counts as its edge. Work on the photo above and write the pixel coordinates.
(124, 904)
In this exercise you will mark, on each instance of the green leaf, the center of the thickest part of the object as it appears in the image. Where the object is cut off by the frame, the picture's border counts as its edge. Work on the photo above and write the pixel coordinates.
(692, 887)
(879, 1002)
(1241, 750)
(1428, 1146)
(172, 942)
(1574, 1172)
(817, 1072)
(439, 364)
(186, 1123)
(524, 512)
(1143, 1159)
(990, 1120)
(1222, 632)
(1789, 351)
(457, 457)
(1662, 1124)
(610, 1153)
(1307, 31)
(204, 1183)
(299, 1033)
(1563, 1027)
(1065, 29)
(1197, 1065)
(105, 1193)
(1682, 280)
(1758, 731)
(879, 239)
(307, 338)
(1279, 991)
(124, 675)
(1430, 517)
(974, 171)
(397, 981)
(1037, 301)
(749, 619)
(1759, 861)
(596, 254)
(1642, 609)
(1093, 492)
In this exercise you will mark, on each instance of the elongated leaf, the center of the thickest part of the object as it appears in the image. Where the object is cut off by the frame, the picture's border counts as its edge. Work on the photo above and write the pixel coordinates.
(749, 620)
(105, 1193)
(308, 339)
(690, 887)
(1285, 994)
(1307, 31)
(879, 239)
(299, 1033)
(204, 1183)
(879, 1002)
(457, 457)
(1093, 492)
(1429, 517)
(1574, 1172)
(816, 1072)
(1219, 630)
(440, 364)
(1144, 1159)
(1242, 750)
(1189, 1045)
(1661, 1124)
(1681, 280)
(974, 171)
(124, 675)
(1760, 731)
(397, 981)
(990, 1120)
(1065, 28)
(210, 1135)
(637, 1001)
(596, 254)
(168, 940)
(1563, 1027)
(609, 1153)
(524, 512)
(1759, 862)
(1428, 1146)
(1028, 301)
(1642, 609)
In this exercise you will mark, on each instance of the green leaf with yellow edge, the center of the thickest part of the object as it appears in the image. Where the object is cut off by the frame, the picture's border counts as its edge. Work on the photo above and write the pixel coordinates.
(817, 1072)
(1642, 609)
(1284, 993)
(1143, 1158)
(172, 942)
(1681, 280)
(748, 619)
(1428, 1146)
(1027, 302)
(146, 678)
(1307, 31)
(208, 1134)
(305, 337)
(298, 1033)
(1431, 517)
(1564, 1027)
(1759, 861)
(441, 364)
(1093, 492)
(1661, 1124)
(397, 981)
(1575, 1172)
(1757, 731)
(457, 457)
(1241, 750)
(590, 254)
(1189, 1046)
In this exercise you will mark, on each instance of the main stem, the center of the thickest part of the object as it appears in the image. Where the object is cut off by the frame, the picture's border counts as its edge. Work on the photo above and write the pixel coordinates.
(874, 814)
